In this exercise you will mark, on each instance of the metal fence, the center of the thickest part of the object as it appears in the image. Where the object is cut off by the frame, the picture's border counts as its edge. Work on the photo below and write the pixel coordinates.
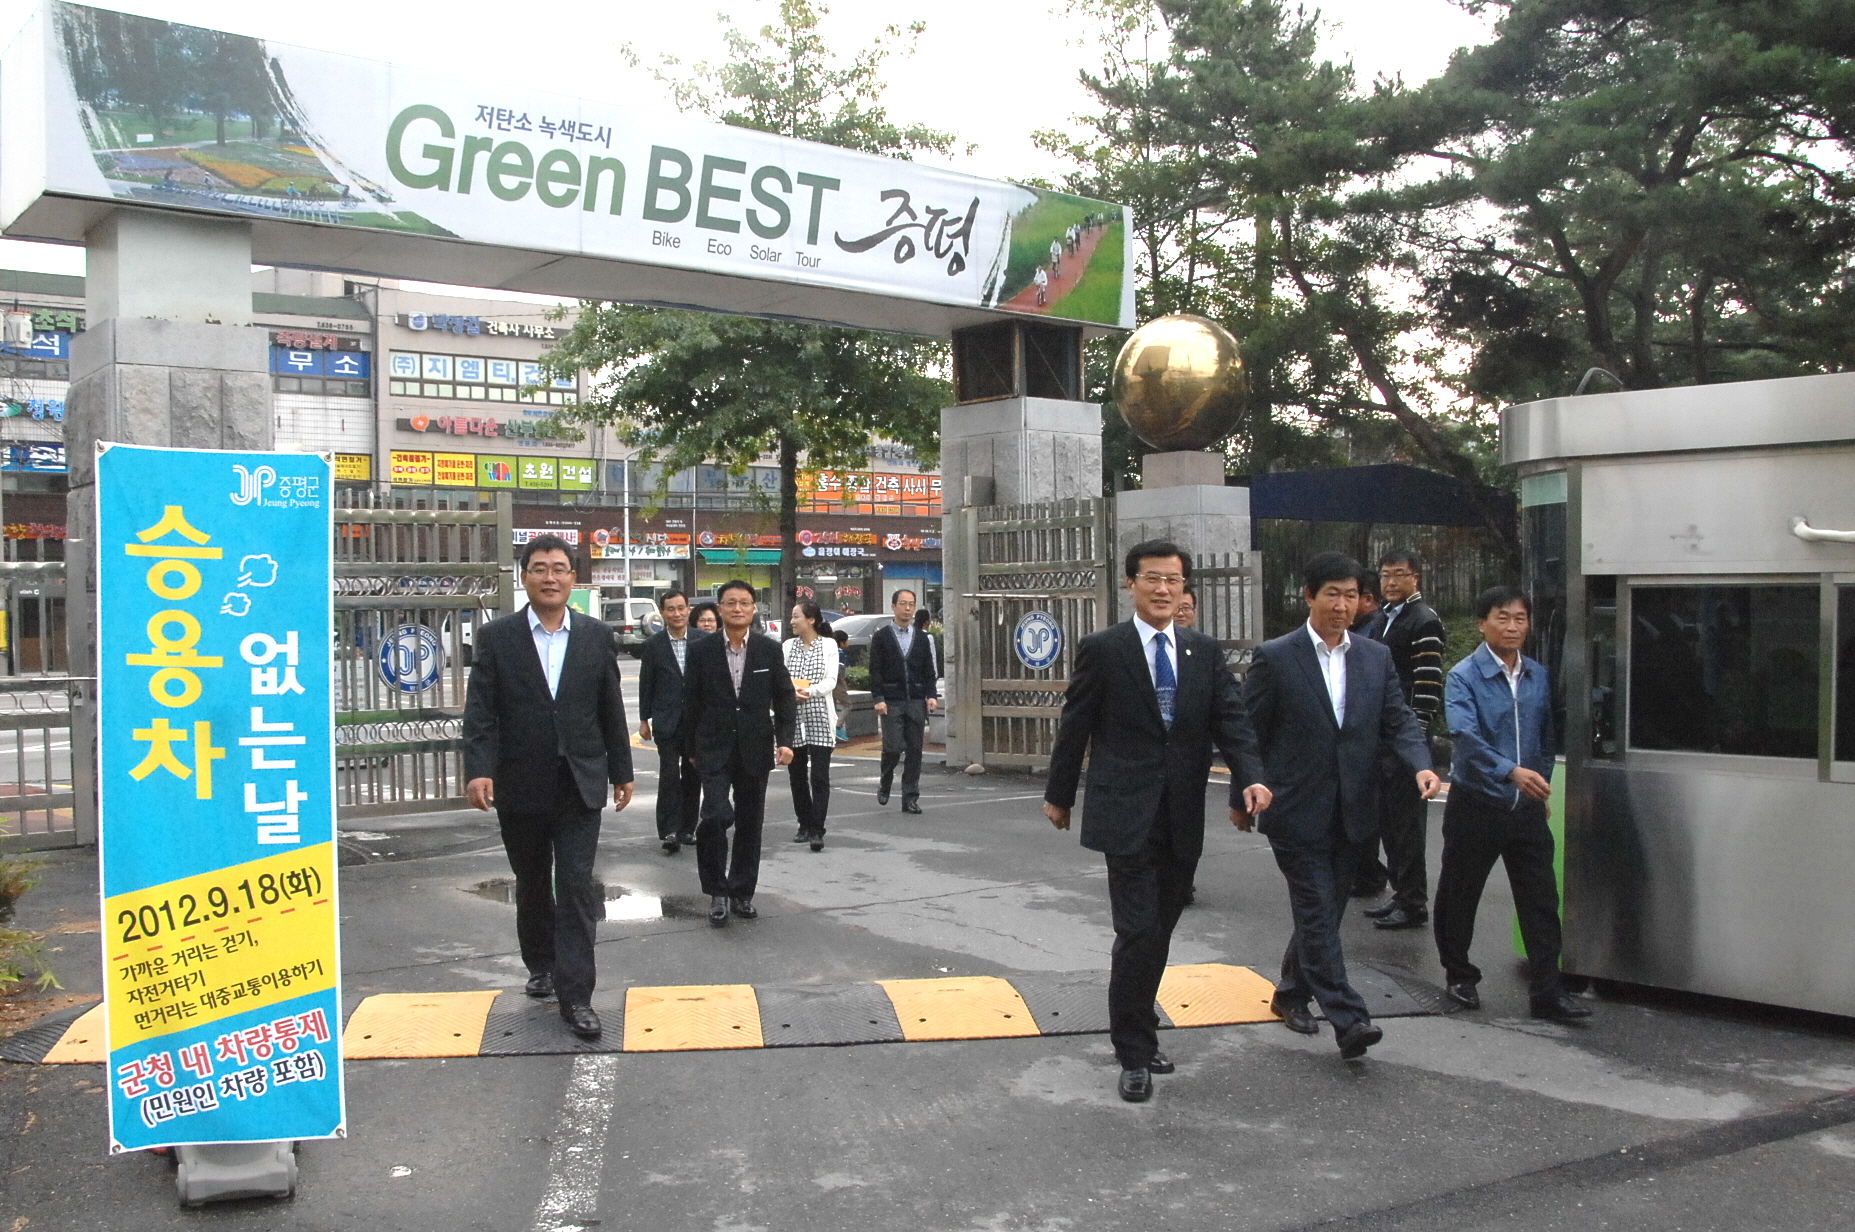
(1228, 589)
(1052, 558)
(411, 588)
(47, 781)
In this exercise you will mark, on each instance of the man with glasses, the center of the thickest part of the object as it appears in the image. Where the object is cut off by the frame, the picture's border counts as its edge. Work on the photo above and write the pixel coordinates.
(1414, 634)
(905, 682)
(739, 711)
(544, 732)
(1147, 702)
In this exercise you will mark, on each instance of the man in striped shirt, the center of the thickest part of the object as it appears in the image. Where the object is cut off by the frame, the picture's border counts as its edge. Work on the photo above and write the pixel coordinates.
(1413, 632)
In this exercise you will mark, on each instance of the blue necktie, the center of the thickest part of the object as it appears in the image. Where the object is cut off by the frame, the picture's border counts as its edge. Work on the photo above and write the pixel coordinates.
(1165, 682)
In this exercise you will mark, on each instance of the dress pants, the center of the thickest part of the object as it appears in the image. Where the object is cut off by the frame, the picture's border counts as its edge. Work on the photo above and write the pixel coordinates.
(723, 873)
(903, 730)
(811, 785)
(679, 790)
(1319, 880)
(551, 845)
(1476, 832)
(1146, 893)
(1404, 823)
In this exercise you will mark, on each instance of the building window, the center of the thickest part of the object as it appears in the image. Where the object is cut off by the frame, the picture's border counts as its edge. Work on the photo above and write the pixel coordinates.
(1845, 673)
(321, 385)
(1724, 669)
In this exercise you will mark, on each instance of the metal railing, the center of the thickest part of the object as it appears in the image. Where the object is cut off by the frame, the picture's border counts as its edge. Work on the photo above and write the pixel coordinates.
(47, 780)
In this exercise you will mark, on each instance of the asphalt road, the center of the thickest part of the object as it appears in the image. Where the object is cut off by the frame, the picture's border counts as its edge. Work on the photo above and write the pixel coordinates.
(1480, 1120)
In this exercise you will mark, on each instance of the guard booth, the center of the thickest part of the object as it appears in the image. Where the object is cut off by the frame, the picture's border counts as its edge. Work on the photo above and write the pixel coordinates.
(1691, 556)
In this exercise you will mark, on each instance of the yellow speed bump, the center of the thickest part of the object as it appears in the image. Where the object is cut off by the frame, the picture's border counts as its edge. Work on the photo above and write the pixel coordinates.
(82, 1041)
(692, 1016)
(970, 1007)
(427, 1024)
(1214, 995)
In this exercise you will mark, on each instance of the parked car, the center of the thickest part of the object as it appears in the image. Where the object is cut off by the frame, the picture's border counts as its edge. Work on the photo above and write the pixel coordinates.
(634, 620)
(859, 629)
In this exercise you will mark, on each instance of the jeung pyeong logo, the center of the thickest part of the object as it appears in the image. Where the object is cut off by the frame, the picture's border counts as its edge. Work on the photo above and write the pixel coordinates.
(251, 483)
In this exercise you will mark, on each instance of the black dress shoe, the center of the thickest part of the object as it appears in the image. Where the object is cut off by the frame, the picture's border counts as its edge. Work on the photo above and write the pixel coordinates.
(882, 792)
(1161, 1064)
(718, 910)
(911, 804)
(1296, 1018)
(672, 845)
(1382, 910)
(539, 986)
(582, 1021)
(744, 907)
(1357, 1038)
(1561, 1009)
(1136, 1086)
(687, 838)
(1403, 917)
(818, 840)
(1465, 995)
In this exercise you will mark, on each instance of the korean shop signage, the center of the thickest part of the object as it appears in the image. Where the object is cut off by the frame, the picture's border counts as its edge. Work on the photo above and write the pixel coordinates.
(217, 797)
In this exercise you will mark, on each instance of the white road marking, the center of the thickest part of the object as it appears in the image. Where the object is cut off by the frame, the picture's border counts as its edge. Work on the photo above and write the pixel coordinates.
(571, 1199)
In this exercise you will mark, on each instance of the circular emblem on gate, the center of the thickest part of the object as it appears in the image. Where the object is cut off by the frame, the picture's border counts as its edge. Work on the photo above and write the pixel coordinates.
(1038, 640)
(411, 658)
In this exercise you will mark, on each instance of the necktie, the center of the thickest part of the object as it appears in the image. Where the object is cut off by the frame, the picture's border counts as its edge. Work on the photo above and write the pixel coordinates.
(1165, 681)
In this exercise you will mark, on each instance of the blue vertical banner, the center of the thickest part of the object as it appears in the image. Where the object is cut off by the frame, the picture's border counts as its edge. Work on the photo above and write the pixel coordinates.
(217, 796)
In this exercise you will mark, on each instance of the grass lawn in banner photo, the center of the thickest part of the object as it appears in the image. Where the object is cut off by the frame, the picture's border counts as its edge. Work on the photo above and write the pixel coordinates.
(1098, 296)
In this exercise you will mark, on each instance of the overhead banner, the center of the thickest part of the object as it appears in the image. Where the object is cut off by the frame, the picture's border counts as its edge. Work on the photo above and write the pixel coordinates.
(217, 796)
(159, 114)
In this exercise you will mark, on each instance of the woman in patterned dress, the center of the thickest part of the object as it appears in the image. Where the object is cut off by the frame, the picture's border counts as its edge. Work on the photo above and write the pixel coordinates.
(811, 660)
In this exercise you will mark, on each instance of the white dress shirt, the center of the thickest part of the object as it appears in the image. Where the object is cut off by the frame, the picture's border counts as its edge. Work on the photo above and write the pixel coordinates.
(1333, 670)
(1149, 647)
(552, 647)
(679, 647)
(905, 637)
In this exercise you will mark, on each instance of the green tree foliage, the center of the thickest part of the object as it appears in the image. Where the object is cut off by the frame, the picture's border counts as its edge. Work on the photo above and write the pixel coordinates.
(1662, 188)
(689, 387)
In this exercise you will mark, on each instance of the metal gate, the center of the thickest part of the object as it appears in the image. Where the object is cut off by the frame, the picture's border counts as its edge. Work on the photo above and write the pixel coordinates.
(411, 588)
(1015, 561)
(1228, 588)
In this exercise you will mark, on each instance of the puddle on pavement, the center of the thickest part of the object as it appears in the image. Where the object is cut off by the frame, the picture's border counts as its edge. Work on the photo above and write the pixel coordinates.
(620, 903)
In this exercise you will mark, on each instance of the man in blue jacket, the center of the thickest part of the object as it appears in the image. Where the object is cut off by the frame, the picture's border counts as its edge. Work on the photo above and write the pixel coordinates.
(1499, 706)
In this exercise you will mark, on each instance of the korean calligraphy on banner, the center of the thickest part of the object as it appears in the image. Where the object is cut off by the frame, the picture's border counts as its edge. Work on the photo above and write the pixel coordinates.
(217, 804)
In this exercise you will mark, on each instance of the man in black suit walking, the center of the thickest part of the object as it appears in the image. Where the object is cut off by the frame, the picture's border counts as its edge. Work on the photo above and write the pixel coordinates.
(1325, 704)
(544, 732)
(661, 664)
(738, 714)
(1147, 700)
(903, 677)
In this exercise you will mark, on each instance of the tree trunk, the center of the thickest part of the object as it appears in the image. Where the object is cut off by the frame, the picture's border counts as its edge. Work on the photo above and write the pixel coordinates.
(786, 590)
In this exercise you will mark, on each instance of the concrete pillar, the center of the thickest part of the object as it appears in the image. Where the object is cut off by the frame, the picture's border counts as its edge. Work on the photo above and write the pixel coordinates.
(1184, 499)
(169, 358)
(1010, 451)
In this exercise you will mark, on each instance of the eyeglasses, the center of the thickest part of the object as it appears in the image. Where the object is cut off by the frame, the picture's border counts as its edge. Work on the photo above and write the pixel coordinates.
(1398, 574)
(1160, 579)
(541, 571)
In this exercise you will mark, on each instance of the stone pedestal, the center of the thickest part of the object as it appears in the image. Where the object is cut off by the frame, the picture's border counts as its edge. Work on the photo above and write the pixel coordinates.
(1204, 517)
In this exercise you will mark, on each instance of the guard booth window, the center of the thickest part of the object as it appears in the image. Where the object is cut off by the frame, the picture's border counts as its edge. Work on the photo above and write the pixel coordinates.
(1845, 673)
(1725, 669)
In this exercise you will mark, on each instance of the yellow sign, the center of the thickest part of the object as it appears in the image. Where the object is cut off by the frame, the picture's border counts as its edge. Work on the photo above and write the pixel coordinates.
(408, 467)
(454, 470)
(354, 467)
(219, 944)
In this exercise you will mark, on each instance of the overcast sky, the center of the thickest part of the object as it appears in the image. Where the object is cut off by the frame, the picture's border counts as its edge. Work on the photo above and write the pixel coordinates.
(991, 71)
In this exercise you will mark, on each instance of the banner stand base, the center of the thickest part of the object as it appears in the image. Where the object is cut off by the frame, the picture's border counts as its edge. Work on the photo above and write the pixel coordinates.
(224, 1171)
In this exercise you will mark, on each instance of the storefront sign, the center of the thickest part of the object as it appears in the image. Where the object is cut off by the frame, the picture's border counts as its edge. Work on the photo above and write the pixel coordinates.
(871, 492)
(454, 470)
(42, 456)
(409, 469)
(567, 534)
(448, 166)
(644, 545)
(354, 468)
(217, 796)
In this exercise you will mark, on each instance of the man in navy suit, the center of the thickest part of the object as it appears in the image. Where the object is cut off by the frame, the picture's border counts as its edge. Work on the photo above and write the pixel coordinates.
(1147, 701)
(1324, 704)
(661, 664)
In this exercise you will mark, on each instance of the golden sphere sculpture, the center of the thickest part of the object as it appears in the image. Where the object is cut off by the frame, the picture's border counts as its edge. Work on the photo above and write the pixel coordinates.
(1180, 382)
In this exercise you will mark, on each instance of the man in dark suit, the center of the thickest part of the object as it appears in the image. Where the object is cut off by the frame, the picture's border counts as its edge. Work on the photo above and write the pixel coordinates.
(1325, 704)
(903, 678)
(738, 714)
(1414, 634)
(661, 663)
(1147, 700)
(544, 732)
